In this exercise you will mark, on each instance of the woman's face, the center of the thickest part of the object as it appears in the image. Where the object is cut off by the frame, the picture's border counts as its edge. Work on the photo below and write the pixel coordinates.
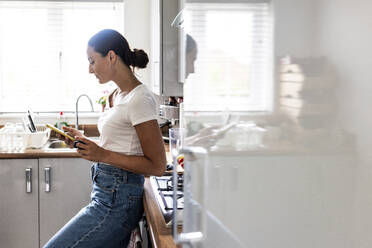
(99, 65)
(190, 60)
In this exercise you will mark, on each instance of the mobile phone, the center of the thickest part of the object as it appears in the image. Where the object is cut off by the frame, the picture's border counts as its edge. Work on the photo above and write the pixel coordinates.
(61, 132)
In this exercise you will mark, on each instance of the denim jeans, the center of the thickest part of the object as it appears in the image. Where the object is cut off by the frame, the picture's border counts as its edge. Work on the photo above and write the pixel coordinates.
(114, 211)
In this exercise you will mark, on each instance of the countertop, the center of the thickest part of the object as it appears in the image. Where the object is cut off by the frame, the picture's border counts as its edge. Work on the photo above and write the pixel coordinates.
(282, 149)
(89, 130)
(46, 152)
(160, 235)
(40, 153)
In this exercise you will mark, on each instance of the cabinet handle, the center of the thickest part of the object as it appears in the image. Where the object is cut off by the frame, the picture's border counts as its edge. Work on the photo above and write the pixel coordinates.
(28, 180)
(196, 162)
(47, 179)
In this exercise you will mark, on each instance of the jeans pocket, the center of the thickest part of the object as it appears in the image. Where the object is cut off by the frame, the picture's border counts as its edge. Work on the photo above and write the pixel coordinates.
(92, 172)
(135, 179)
(104, 181)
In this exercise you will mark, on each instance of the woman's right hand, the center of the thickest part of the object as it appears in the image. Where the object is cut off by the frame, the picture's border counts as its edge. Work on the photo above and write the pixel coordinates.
(72, 132)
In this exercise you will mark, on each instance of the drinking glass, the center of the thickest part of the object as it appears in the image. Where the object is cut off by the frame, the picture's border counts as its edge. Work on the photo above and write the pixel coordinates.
(18, 139)
(8, 138)
(174, 142)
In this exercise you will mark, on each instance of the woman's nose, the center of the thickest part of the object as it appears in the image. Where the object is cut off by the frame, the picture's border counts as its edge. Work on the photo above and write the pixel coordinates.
(90, 69)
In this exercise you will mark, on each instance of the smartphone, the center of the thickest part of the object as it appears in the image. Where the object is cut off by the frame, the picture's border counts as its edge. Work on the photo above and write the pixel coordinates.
(61, 132)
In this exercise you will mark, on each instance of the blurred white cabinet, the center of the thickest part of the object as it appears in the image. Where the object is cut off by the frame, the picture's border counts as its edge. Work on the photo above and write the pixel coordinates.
(59, 188)
(289, 198)
(18, 208)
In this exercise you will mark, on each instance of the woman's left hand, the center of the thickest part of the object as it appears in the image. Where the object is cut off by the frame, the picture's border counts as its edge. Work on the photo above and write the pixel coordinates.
(90, 150)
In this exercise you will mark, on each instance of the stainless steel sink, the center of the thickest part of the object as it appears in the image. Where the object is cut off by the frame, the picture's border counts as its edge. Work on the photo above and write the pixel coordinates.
(57, 144)
(60, 144)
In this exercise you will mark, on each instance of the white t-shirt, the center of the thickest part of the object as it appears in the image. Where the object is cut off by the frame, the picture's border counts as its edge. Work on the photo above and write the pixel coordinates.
(116, 124)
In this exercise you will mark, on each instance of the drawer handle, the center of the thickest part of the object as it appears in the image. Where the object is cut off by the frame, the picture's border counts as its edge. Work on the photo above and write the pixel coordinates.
(47, 179)
(28, 180)
(196, 159)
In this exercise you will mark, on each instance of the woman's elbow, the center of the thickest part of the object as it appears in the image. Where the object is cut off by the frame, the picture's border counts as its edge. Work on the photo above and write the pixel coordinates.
(160, 166)
(160, 169)
(157, 166)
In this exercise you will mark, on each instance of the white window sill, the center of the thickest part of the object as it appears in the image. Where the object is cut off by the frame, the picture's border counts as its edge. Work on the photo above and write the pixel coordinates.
(43, 118)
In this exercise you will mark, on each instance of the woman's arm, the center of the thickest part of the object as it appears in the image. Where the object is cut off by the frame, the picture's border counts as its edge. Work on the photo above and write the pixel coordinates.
(153, 162)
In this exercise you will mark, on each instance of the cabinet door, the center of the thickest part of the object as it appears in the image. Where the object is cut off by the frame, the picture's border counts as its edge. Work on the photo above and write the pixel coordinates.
(18, 208)
(165, 48)
(68, 191)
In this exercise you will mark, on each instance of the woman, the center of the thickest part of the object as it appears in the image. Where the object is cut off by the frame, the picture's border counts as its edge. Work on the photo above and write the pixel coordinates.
(130, 146)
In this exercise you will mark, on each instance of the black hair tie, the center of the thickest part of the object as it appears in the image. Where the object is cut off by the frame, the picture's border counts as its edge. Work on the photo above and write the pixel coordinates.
(133, 56)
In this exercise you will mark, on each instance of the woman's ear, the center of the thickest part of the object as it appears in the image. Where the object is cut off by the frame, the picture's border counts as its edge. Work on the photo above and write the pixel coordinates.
(112, 56)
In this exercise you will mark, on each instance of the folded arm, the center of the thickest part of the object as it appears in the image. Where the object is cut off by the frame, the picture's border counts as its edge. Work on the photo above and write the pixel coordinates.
(153, 162)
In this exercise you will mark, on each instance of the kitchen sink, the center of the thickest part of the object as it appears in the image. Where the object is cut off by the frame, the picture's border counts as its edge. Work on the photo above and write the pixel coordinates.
(60, 144)
(57, 144)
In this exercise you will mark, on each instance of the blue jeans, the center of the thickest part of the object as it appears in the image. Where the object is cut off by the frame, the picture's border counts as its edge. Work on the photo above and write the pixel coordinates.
(108, 220)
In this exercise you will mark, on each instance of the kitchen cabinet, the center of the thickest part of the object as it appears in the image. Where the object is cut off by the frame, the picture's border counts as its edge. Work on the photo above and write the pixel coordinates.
(68, 191)
(59, 188)
(19, 208)
(165, 48)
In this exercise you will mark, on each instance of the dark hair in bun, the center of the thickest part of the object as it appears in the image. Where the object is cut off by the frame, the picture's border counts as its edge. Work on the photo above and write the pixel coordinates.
(109, 39)
(139, 58)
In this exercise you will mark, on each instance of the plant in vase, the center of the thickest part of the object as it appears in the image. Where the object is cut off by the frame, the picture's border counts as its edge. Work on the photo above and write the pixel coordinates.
(103, 100)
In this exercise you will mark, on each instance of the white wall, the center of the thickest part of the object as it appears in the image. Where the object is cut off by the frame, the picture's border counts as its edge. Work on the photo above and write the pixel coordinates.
(137, 31)
(295, 28)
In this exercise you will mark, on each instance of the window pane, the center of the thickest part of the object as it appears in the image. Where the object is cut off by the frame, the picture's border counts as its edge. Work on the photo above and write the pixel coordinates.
(230, 73)
(43, 61)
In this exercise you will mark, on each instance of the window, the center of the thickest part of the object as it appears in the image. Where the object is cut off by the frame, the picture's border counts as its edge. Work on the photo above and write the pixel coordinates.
(234, 65)
(43, 61)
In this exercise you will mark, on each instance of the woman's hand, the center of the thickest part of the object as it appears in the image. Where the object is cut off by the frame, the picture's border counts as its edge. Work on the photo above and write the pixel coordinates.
(89, 150)
(72, 132)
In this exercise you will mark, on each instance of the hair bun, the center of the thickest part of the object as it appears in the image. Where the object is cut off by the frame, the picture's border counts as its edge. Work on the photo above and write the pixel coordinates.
(139, 58)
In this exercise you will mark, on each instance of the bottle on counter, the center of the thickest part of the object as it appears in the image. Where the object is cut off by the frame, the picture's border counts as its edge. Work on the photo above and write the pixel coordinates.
(61, 121)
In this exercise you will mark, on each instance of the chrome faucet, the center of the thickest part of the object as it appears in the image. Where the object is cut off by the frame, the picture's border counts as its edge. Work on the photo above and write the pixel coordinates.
(77, 111)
